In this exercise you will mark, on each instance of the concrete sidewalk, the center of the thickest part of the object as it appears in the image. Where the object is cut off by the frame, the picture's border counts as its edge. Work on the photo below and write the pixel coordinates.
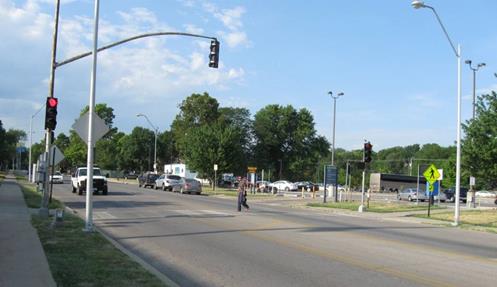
(22, 259)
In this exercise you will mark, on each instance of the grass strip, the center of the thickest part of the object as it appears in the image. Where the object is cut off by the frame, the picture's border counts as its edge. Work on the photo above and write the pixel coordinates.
(483, 220)
(77, 258)
(375, 207)
(33, 197)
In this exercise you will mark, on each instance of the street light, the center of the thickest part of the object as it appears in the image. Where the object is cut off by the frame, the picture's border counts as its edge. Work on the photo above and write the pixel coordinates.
(155, 145)
(474, 69)
(420, 4)
(31, 142)
(334, 119)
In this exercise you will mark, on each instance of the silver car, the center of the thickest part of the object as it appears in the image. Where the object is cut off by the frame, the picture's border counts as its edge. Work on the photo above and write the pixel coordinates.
(188, 185)
(167, 182)
(410, 194)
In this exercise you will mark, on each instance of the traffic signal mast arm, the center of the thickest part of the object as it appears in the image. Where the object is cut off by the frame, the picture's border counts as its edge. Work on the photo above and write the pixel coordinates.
(135, 38)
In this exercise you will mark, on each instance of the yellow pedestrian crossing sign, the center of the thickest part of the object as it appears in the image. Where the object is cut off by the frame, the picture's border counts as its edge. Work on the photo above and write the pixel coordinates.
(431, 174)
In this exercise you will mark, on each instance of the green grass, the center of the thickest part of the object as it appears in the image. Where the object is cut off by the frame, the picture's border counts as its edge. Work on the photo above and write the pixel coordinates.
(483, 220)
(33, 197)
(374, 207)
(77, 258)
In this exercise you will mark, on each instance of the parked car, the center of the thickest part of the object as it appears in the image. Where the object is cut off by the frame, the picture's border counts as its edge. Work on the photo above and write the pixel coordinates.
(130, 175)
(451, 197)
(441, 196)
(57, 177)
(307, 185)
(147, 179)
(263, 186)
(188, 185)
(410, 194)
(283, 185)
(167, 182)
(486, 194)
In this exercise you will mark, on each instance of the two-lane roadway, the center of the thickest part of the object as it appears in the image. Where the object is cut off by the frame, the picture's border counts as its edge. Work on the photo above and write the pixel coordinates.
(204, 241)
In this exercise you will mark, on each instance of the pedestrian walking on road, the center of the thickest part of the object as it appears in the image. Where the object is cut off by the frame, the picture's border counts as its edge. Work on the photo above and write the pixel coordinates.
(242, 195)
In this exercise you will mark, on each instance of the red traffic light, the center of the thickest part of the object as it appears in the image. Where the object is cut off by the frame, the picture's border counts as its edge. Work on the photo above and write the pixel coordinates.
(52, 102)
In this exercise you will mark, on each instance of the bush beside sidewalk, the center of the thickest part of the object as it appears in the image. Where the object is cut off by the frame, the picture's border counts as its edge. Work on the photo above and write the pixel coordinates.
(77, 258)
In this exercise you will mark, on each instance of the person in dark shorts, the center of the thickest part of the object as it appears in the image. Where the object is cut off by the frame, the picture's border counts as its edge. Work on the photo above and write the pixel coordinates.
(242, 195)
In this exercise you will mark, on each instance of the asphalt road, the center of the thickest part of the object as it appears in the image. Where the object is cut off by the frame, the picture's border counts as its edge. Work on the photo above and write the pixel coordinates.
(204, 241)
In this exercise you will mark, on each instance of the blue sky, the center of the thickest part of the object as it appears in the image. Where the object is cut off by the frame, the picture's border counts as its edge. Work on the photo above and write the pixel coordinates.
(393, 63)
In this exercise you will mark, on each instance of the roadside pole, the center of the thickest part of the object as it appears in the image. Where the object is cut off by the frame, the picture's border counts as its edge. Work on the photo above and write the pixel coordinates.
(417, 188)
(90, 142)
(361, 207)
(43, 211)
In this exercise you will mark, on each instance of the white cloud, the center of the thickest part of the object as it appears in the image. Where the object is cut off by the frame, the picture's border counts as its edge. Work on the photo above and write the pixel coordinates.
(236, 38)
(232, 20)
(190, 28)
(151, 72)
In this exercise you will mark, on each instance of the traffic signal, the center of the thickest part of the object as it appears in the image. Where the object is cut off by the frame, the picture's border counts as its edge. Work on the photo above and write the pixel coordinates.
(368, 149)
(51, 113)
(214, 54)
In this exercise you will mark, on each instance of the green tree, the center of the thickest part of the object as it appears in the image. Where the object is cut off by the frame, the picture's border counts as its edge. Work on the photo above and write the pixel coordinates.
(218, 143)
(479, 147)
(136, 150)
(286, 142)
(195, 111)
(166, 149)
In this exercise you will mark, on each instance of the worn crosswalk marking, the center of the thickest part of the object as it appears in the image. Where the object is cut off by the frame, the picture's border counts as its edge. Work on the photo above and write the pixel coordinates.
(103, 215)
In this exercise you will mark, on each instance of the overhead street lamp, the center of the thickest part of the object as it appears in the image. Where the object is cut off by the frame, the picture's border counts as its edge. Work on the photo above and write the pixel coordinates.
(420, 4)
(31, 142)
(334, 119)
(156, 130)
(474, 69)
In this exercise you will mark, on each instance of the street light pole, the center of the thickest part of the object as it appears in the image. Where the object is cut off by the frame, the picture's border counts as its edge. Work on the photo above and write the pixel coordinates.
(31, 142)
(474, 69)
(155, 145)
(420, 4)
(334, 121)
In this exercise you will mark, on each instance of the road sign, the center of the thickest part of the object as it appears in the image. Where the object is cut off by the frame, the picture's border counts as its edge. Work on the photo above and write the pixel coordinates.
(432, 189)
(99, 127)
(252, 169)
(58, 156)
(331, 174)
(215, 167)
(431, 174)
(472, 181)
(441, 172)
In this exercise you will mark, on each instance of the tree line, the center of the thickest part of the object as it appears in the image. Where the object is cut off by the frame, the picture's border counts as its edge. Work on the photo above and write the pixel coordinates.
(280, 140)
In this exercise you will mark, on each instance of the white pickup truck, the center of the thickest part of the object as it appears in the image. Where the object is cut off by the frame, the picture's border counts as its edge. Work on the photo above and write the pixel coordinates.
(78, 181)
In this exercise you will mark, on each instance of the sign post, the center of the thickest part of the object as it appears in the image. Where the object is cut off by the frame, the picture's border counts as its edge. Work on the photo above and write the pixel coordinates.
(330, 178)
(431, 174)
(215, 176)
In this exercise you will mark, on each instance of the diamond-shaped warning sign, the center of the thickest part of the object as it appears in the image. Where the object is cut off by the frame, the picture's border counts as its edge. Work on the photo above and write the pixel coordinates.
(431, 174)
